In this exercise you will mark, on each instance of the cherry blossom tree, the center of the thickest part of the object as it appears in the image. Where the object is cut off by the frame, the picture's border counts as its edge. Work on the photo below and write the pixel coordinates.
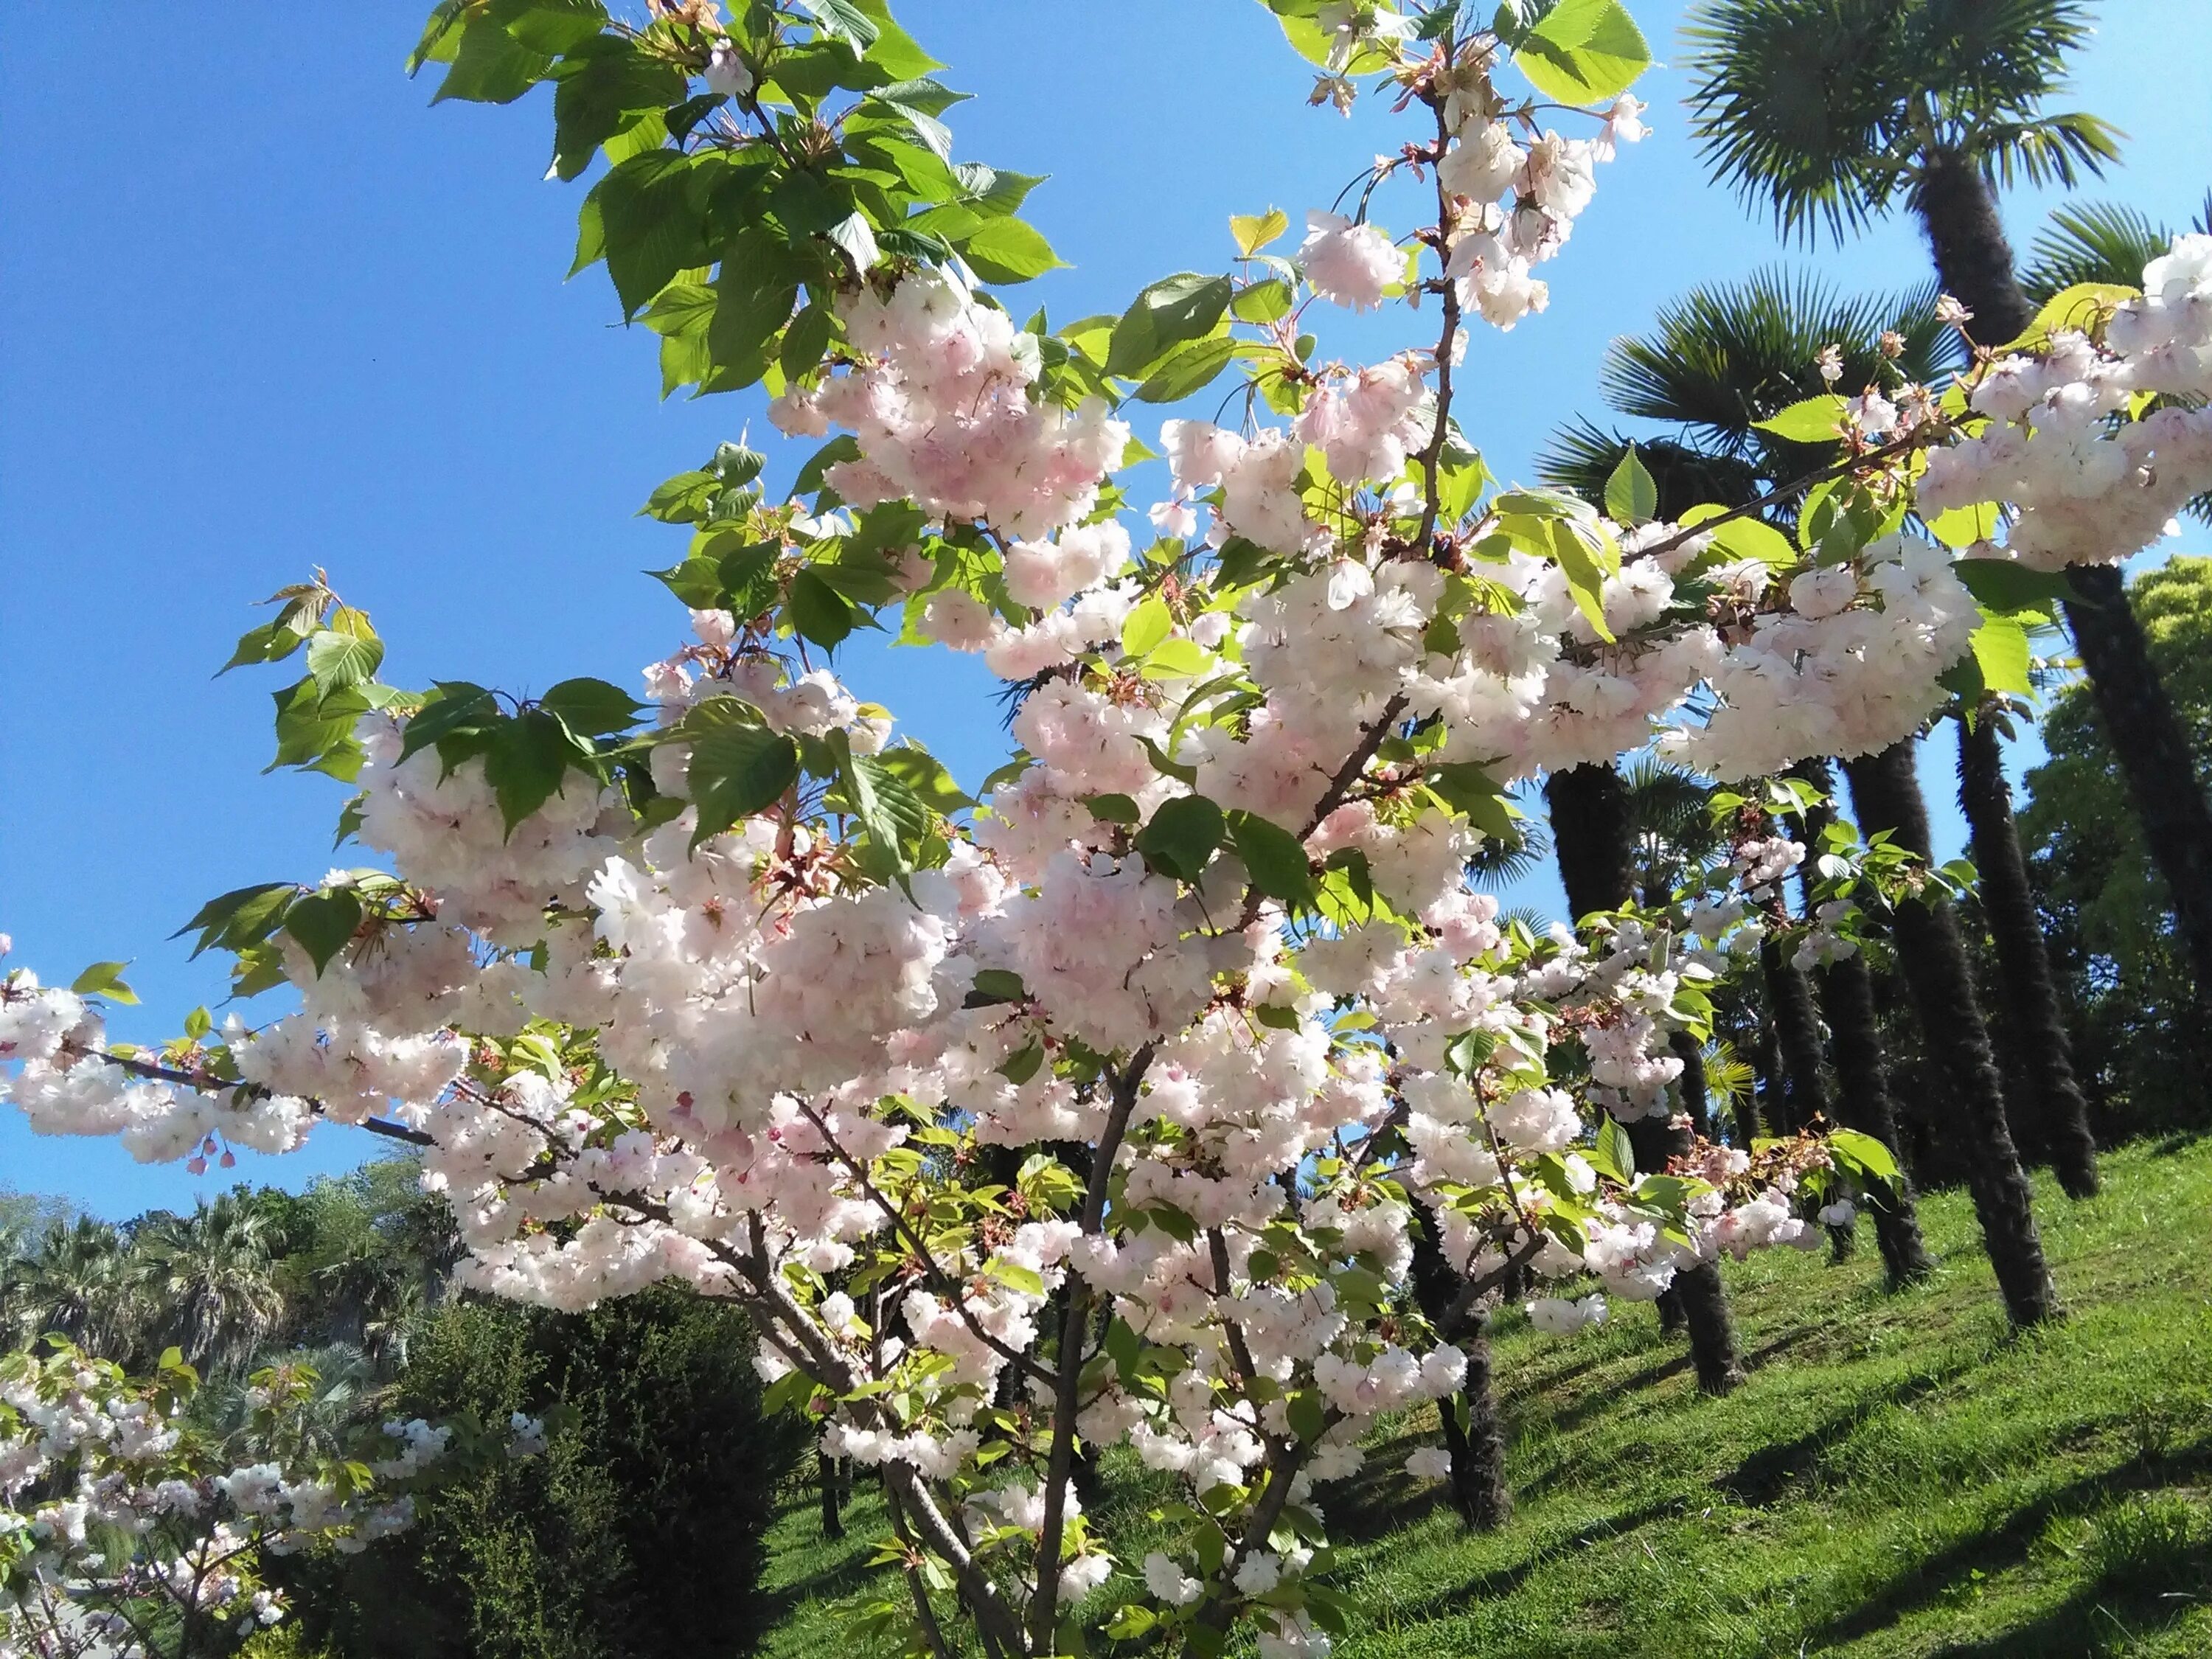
(1094, 1108)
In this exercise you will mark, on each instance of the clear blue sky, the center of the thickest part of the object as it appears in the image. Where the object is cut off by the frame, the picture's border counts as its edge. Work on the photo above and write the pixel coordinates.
(261, 309)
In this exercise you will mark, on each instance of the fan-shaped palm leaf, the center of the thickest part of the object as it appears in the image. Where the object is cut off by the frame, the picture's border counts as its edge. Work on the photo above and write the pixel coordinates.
(1826, 110)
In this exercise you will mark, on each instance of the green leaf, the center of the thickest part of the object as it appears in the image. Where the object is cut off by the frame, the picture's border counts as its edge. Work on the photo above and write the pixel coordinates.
(2001, 649)
(1182, 837)
(104, 979)
(997, 984)
(492, 66)
(819, 611)
(336, 660)
(1630, 495)
(1750, 538)
(893, 815)
(1263, 302)
(1176, 658)
(1274, 858)
(1012, 1274)
(650, 227)
(2085, 306)
(1113, 809)
(1615, 1154)
(243, 916)
(1470, 791)
(524, 762)
(1254, 231)
(603, 85)
(1586, 569)
(1007, 250)
(1146, 626)
(1024, 1063)
(1811, 421)
(592, 708)
(1962, 526)
(926, 776)
(1186, 369)
(1584, 52)
(737, 768)
(1183, 307)
(323, 923)
(1864, 1151)
(2000, 585)
(1307, 1417)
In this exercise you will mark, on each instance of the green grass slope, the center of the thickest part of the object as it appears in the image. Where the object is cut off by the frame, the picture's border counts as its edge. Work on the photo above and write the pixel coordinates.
(1900, 1478)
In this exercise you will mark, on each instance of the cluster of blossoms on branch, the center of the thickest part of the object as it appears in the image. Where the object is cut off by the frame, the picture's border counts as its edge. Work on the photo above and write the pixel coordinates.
(127, 1528)
(1103, 1107)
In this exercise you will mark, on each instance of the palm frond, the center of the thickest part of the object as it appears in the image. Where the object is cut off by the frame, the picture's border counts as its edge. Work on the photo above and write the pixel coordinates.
(2092, 242)
(1500, 863)
(1727, 355)
(1821, 108)
(1581, 457)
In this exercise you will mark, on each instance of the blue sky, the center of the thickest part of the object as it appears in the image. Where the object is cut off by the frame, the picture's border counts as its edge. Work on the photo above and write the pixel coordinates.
(269, 311)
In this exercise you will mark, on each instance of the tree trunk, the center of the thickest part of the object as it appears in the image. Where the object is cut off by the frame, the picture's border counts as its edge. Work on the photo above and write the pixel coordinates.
(1695, 1103)
(1862, 1103)
(2147, 736)
(1479, 1492)
(833, 1524)
(1885, 794)
(1766, 1059)
(1797, 1033)
(1589, 810)
(2023, 965)
(1959, 214)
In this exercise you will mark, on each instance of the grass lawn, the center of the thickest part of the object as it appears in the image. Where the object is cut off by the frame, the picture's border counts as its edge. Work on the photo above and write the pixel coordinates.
(1899, 1477)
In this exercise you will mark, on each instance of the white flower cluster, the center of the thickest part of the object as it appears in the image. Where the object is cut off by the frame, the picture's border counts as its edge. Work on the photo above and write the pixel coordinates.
(2088, 486)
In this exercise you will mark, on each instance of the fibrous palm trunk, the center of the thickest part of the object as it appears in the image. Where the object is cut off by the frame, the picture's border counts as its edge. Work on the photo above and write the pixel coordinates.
(1797, 1034)
(1588, 810)
(1959, 213)
(2023, 964)
(1479, 1492)
(1862, 1103)
(1862, 1096)
(1932, 953)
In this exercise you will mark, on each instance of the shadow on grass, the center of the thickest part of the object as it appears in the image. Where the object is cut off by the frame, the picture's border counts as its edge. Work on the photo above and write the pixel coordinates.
(1765, 1477)
(2007, 1544)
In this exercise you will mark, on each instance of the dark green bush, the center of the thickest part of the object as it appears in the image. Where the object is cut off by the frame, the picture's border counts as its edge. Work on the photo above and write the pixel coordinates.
(636, 1536)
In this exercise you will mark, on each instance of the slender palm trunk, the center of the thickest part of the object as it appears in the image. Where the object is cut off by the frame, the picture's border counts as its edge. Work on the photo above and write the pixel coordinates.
(1932, 953)
(1767, 1076)
(1862, 1096)
(1479, 1492)
(1588, 810)
(1797, 1034)
(1959, 213)
(2023, 965)
(1862, 1103)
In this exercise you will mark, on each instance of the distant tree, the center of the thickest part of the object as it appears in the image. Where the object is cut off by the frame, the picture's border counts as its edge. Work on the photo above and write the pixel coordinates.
(2103, 901)
(638, 1535)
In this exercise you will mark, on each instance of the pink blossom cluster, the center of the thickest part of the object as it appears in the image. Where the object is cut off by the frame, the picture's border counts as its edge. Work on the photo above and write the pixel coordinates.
(2095, 448)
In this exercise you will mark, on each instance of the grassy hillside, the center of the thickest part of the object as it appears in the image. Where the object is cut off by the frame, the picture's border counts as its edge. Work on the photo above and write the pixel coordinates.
(1899, 1477)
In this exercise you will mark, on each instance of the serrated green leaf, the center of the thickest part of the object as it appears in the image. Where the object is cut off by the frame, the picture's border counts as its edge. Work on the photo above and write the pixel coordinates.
(1630, 495)
(1584, 52)
(1273, 859)
(1007, 250)
(104, 979)
(323, 923)
(737, 768)
(1182, 837)
(1254, 231)
(592, 708)
(1809, 420)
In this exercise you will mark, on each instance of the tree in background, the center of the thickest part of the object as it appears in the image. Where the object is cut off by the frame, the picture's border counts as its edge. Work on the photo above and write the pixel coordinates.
(1835, 111)
(2126, 968)
(637, 1535)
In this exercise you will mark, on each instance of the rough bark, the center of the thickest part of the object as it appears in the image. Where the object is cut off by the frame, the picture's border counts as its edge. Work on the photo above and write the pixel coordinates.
(2030, 994)
(1797, 1035)
(833, 1524)
(1932, 954)
(1959, 214)
(1479, 1488)
(2151, 745)
(1766, 1059)
(1588, 811)
(1862, 1103)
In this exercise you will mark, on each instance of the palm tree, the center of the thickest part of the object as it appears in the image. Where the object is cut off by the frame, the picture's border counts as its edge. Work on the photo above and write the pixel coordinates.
(207, 1281)
(73, 1280)
(2030, 988)
(1671, 831)
(1719, 360)
(1831, 111)
(1590, 834)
